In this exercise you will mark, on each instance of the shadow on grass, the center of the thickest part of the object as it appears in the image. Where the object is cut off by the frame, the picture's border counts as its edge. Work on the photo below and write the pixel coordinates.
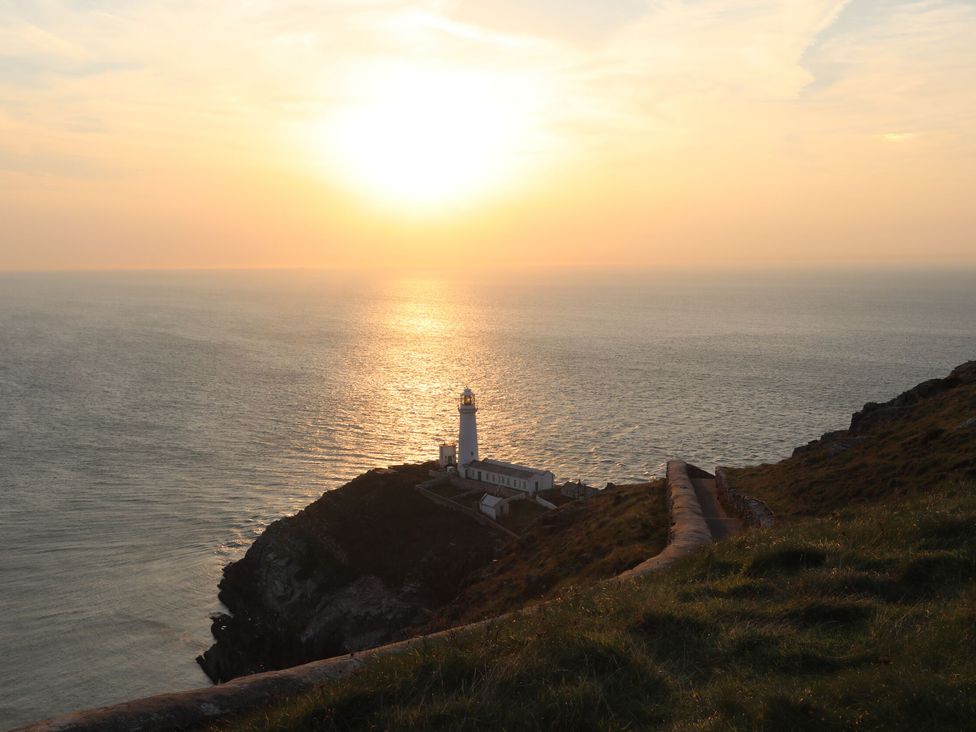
(937, 573)
(823, 615)
(786, 560)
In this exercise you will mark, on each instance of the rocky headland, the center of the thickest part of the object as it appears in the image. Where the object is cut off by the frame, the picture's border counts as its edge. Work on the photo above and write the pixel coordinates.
(376, 561)
(853, 609)
(348, 572)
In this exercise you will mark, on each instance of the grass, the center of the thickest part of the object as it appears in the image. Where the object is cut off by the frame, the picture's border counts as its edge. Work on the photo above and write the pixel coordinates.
(580, 542)
(865, 619)
(521, 515)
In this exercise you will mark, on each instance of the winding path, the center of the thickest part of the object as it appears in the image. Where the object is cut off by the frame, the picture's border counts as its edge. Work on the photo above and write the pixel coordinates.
(719, 522)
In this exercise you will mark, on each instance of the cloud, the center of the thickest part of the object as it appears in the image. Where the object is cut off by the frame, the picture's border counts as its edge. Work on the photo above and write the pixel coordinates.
(574, 21)
(911, 69)
(731, 104)
(753, 47)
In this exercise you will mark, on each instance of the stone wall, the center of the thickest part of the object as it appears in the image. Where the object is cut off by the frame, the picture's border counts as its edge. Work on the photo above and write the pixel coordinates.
(579, 490)
(752, 511)
(688, 528)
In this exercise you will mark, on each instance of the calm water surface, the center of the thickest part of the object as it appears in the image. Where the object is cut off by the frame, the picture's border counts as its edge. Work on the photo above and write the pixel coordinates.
(152, 424)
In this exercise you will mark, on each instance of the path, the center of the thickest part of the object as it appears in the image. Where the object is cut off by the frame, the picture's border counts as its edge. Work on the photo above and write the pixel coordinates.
(719, 522)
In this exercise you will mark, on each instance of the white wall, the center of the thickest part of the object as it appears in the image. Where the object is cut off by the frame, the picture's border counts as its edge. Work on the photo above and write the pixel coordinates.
(448, 456)
(544, 480)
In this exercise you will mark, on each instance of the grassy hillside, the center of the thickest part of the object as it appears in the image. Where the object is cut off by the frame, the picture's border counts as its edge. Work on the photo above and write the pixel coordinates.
(582, 541)
(862, 620)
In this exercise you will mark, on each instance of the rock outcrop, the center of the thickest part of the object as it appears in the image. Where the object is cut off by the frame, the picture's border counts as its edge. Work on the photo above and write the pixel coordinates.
(353, 570)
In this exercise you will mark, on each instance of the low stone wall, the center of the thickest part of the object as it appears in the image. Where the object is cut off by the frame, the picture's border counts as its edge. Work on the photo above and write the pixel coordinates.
(752, 511)
(251, 693)
(688, 528)
(579, 490)
(190, 709)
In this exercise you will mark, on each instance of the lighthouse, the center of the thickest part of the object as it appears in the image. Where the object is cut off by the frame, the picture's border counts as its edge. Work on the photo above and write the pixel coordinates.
(468, 431)
(497, 477)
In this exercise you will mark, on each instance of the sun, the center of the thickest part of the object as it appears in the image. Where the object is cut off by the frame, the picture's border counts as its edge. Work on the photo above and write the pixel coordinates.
(423, 138)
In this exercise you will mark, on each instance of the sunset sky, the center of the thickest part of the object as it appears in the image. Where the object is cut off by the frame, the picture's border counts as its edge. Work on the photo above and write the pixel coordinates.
(212, 133)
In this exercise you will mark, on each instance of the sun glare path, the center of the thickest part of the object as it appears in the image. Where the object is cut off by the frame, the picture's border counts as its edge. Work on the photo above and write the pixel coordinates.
(429, 138)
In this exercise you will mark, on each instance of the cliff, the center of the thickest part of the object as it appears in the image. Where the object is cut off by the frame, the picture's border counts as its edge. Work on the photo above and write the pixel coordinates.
(348, 572)
(375, 561)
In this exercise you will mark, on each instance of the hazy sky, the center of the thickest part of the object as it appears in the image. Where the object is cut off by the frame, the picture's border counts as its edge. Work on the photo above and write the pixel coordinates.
(203, 133)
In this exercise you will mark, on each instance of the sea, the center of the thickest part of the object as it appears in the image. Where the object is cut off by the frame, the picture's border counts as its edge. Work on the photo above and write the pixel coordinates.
(153, 423)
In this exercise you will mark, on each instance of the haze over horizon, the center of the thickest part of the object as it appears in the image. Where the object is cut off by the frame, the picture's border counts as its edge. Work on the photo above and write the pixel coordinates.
(360, 133)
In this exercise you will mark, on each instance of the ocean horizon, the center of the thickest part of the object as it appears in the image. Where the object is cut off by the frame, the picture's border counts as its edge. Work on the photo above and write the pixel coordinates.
(153, 423)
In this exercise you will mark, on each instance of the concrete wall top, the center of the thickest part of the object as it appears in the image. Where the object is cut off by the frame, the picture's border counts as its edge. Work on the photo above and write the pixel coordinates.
(688, 528)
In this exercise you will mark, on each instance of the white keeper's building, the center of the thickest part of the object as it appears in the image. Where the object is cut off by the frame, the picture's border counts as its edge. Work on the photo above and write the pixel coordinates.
(493, 506)
(464, 457)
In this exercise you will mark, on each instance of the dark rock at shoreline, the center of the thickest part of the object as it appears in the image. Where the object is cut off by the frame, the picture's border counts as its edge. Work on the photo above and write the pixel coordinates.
(353, 570)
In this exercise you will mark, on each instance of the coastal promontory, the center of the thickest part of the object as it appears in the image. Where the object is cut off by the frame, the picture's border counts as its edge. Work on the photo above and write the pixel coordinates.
(379, 559)
(345, 573)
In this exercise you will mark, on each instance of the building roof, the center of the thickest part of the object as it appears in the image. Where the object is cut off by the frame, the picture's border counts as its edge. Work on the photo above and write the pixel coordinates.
(490, 500)
(510, 469)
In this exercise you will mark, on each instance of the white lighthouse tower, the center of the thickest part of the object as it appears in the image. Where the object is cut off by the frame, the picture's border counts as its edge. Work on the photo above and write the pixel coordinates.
(468, 432)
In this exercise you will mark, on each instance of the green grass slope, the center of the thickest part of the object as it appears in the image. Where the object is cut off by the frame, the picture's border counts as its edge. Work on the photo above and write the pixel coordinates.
(580, 542)
(865, 620)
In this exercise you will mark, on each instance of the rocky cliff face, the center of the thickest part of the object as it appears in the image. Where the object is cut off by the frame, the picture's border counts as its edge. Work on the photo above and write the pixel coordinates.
(351, 571)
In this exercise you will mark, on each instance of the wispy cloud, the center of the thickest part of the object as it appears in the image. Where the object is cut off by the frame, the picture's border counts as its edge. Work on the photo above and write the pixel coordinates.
(721, 95)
